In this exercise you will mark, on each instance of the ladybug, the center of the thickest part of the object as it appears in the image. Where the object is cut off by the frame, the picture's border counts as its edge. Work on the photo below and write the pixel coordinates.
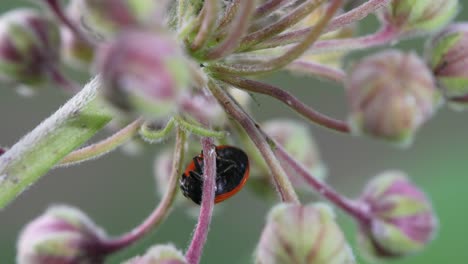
(232, 171)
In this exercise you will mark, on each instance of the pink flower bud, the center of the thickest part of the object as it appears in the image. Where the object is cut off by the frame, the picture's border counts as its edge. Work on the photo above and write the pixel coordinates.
(302, 234)
(160, 254)
(143, 73)
(61, 235)
(29, 43)
(403, 221)
(391, 94)
(447, 55)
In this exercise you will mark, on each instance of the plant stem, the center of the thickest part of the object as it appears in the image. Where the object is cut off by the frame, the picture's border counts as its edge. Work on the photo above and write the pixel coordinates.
(283, 185)
(163, 208)
(35, 154)
(103, 147)
(210, 10)
(269, 7)
(318, 70)
(347, 205)
(287, 57)
(153, 135)
(238, 28)
(198, 130)
(290, 100)
(287, 21)
(200, 235)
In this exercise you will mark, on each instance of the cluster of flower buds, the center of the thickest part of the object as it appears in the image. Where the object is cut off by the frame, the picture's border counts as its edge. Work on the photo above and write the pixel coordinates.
(160, 254)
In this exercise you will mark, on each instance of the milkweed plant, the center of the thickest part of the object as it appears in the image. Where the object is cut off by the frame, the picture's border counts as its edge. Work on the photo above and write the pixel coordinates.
(182, 73)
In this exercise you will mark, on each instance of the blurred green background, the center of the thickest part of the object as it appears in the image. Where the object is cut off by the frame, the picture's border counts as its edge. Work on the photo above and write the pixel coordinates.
(118, 191)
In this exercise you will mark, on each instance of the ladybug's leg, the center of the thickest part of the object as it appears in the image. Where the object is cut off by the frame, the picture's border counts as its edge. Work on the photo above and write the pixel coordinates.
(196, 161)
(196, 175)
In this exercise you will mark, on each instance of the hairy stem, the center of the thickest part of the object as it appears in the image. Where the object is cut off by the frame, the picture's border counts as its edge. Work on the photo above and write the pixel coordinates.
(269, 7)
(153, 135)
(198, 130)
(210, 15)
(35, 154)
(287, 57)
(347, 205)
(200, 235)
(283, 185)
(289, 100)
(162, 210)
(317, 70)
(103, 147)
(237, 30)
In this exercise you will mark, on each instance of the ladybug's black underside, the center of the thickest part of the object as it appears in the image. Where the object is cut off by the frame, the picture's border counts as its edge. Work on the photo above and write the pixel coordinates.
(231, 165)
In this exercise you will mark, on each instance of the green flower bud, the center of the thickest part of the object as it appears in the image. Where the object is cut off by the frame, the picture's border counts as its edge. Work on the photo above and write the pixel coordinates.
(297, 140)
(412, 16)
(143, 73)
(160, 254)
(61, 235)
(302, 234)
(105, 18)
(391, 94)
(447, 55)
(403, 221)
(29, 44)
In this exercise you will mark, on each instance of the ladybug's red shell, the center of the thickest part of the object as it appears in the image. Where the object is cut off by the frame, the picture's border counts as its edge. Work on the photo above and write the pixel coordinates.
(232, 171)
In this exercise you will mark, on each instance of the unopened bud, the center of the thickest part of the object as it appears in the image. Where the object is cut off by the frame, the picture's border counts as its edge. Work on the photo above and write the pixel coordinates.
(143, 73)
(105, 18)
(302, 234)
(29, 44)
(420, 17)
(160, 254)
(61, 235)
(447, 55)
(203, 108)
(391, 95)
(403, 221)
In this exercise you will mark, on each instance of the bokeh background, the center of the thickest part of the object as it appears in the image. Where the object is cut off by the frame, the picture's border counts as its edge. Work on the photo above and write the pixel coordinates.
(118, 191)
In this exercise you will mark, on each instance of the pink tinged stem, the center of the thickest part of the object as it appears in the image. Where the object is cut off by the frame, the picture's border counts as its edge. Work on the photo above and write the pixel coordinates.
(195, 250)
(287, 57)
(459, 99)
(281, 180)
(269, 7)
(210, 15)
(318, 70)
(59, 78)
(385, 35)
(356, 14)
(237, 31)
(161, 211)
(290, 100)
(353, 209)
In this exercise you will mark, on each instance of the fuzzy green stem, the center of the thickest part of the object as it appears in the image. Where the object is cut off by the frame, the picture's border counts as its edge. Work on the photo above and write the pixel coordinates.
(198, 130)
(103, 147)
(283, 185)
(152, 135)
(286, 58)
(35, 154)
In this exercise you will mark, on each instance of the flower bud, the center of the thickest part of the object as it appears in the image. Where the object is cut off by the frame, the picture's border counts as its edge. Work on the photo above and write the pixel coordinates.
(2, 151)
(297, 140)
(160, 254)
(61, 235)
(403, 221)
(447, 55)
(302, 234)
(391, 95)
(76, 52)
(105, 18)
(143, 73)
(421, 17)
(29, 44)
